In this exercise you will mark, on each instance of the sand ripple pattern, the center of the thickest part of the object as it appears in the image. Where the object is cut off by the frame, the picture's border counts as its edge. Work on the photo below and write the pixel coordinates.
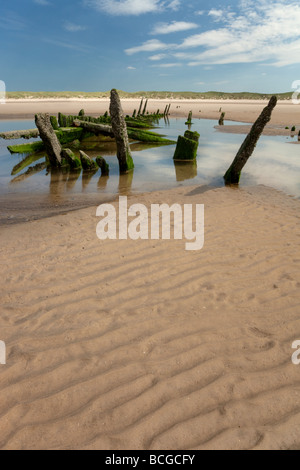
(142, 345)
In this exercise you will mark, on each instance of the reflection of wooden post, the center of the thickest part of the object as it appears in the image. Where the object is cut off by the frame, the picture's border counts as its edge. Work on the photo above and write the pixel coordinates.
(233, 174)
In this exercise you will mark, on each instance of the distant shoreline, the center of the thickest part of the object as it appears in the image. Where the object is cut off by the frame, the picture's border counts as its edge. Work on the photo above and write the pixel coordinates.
(286, 113)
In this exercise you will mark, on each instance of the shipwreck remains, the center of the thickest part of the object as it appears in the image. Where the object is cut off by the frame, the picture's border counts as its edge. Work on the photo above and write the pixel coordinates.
(48, 136)
(189, 119)
(221, 120)
(233, 174)
(187, 146)
(120, 132)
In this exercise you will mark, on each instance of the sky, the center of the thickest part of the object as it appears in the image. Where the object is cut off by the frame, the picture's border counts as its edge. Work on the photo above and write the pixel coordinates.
(144, 45)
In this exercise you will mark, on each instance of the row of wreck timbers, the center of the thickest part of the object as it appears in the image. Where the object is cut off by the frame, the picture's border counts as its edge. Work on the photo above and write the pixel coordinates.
(118, 127)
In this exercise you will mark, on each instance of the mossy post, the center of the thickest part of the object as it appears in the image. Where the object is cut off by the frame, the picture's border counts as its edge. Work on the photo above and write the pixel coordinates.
(87, 163)
(221, 120)
(120, 132)
(187, 146)
(103, 165)
(189, 119)
(49, 138)
(233, 174)
(71, 159)
(54, 122)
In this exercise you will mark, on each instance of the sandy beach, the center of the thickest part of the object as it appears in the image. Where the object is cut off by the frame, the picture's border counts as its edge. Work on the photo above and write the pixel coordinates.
(143, 345)
(285, 114)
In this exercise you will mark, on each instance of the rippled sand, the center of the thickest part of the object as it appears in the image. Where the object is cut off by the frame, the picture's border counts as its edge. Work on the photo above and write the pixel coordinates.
(143, 345)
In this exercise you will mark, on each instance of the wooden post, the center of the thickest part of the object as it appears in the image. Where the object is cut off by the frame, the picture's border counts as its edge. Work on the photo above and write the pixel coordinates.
(145, 107)
(48, 136)
(140, 108)
(120, 132)
(233, 174)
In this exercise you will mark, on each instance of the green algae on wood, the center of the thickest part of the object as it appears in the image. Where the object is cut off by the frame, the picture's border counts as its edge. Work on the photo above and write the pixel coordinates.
(147, 136)
(71, 159)
(189, 119)
(31, 147)
(87, 163)
(187, 145)
(54, 122)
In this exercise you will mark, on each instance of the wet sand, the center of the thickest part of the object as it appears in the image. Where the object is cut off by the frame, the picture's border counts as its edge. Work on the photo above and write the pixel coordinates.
(143, 345)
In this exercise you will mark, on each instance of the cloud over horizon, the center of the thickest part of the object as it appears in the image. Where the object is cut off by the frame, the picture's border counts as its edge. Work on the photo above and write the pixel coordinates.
(132, 7)
(259, 32)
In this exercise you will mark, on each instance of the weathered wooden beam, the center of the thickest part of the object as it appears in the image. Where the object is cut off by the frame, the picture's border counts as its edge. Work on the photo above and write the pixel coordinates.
(48, 136)
(120, 132)
(95, 128)
(233, 174)
(26, 134)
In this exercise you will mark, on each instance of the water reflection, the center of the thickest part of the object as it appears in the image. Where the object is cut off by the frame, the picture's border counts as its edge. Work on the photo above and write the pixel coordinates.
(185, 170)
(275, 162)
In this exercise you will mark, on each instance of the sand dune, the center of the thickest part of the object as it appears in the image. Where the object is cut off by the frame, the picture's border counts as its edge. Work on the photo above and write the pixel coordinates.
(143, 345)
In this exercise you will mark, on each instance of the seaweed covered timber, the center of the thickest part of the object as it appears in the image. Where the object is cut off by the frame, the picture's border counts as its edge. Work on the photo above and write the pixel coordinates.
(57, 134)
(64, 140)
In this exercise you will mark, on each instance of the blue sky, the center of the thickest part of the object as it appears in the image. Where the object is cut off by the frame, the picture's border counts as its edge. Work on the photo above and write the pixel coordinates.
(135, 45)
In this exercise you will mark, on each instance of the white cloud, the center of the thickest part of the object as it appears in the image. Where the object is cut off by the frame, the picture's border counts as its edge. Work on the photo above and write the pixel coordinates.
(132, 7)
(42, 2)
(148, 46)
(259, 31)
(174, 5)
(167, 66)
(131, 68)
(73, 28)
(157, 57)
(174, 27)
(217, 14)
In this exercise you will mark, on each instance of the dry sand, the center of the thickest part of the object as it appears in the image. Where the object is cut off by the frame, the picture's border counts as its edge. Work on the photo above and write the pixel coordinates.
(143, 345)
(285, 114)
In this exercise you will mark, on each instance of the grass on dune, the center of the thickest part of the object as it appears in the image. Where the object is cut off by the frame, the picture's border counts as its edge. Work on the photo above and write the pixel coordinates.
(146, 94)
